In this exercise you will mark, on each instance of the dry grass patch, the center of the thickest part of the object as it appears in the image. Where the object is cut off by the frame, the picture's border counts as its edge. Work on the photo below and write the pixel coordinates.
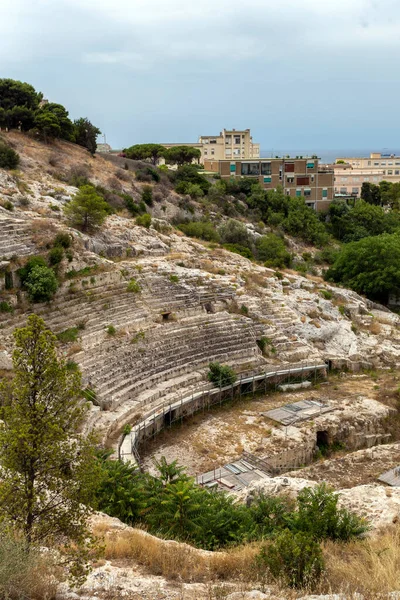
(179, 561)
(369, 567)
(375, 328)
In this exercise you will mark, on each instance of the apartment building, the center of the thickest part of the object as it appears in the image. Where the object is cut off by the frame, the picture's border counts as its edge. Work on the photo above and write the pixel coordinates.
(229, 144)
(299, 177)
(351, 173)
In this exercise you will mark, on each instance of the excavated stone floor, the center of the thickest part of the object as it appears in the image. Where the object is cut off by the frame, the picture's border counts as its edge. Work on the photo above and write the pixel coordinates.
(207, 441)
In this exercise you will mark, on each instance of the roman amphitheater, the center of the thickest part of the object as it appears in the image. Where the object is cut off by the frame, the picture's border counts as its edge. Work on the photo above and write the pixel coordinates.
(317, 365)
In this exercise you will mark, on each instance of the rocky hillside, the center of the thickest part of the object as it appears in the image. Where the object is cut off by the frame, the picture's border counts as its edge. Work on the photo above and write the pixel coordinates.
(146, 310)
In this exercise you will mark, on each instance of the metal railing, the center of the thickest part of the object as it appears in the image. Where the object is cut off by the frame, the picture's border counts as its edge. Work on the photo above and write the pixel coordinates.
(206, 397)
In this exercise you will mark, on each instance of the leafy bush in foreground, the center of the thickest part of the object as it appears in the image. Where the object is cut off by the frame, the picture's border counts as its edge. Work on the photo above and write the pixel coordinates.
(293, 559)
(172, 505)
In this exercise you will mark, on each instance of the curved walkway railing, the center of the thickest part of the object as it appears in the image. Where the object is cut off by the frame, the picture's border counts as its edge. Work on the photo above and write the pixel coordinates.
(166, 414)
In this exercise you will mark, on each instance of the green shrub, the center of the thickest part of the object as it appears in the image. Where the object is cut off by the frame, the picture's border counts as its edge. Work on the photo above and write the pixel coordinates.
(133, 286)
(263, 343)
(342, 310)
(326, 294)
(41, 284)
(221, 375)
(147, 195)
(318, 515)
(244, 310)
(55, 256)
(172, 505)
(127, 429)
(111, 330)
(63, 239)
(72, 366)
(89, 394)
(238, 249)
(271, 250)
(68, 335)
(293, 559)
(234, 232)
(144, 220)
(174, 278)
(203, 230)
(6, 307)
(8, 205)
(186, 187)
(9, 159)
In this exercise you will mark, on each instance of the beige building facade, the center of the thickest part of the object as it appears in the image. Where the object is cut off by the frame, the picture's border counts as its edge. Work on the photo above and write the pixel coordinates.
(229, 144)
(351, 173)
(298, 177)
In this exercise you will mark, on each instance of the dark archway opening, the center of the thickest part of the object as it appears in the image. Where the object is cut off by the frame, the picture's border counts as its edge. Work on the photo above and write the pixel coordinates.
(166, 316)
(8, 280)
(323, 441)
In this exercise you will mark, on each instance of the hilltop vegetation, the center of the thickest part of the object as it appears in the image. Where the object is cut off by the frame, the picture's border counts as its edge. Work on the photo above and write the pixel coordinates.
(22, 107)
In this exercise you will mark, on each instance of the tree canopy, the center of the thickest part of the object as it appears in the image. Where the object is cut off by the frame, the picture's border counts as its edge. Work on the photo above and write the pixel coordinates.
(181, 155)
(370, 266)
(21, 107)
(87, 209)
(146, 151)
(85, 134)
(354, 223)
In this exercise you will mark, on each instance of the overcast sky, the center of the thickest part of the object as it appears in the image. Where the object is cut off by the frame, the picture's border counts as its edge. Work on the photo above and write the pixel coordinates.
(309, 74)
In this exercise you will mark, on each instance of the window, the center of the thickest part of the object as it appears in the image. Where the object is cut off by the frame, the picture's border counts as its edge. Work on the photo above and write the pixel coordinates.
(228, 139)
(250, 168)
(233, 168)
(266, 168)
(325, 192)
(287, 192)
(213, 141)
(205, 152)
(236, 152)
(369, 163)
(376, 164)
(267, 179)
(307, 192)
(310, 165)
(289, 167)
(303, 180)
(343, 179)
(343, 190)
(298, 192)
(375, 178)
(311, 205)
(212, 151)
(290, 178)
(390, 172)
(228, 152)
(390, 164)
(397, 164)
(237, 139)
(383, 164)
(354, 190)
(397, 172)
(366, 178)
(312, 178)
